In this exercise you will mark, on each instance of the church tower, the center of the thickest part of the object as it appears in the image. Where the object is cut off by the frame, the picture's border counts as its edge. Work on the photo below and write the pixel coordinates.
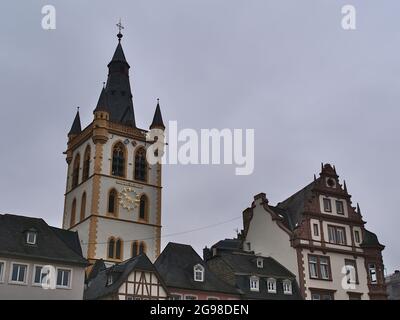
(113, 195)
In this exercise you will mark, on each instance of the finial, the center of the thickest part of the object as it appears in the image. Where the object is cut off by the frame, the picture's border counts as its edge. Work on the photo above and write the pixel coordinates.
(104, 84)
(344, 186)
(158, 100)
(358, 209)
(315, 177)
(322, 166)
(120, 28)
(77, 108)
(334, 169)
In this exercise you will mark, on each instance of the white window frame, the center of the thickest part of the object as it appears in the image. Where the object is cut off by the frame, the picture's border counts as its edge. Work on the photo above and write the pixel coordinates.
(3, 271)
(357, 232)
(22, 283)
(200, 270)
(212, 298)
(181, 296)
(327, 200)
(337, 208)
(36, 284)
(372, 273)
(287, 284)
(256, 281)
(34, 233)
(315, 229)
(260, 263)
(191, 296)
(70, 278)
(271, 281)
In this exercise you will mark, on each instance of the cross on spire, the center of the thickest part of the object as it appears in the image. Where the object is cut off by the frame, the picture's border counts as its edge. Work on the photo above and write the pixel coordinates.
(120, 28)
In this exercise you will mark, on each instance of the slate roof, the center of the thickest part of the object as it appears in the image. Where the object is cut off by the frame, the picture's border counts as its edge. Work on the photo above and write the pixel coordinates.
(370, 239)
(117, 91)
(157, 119)
(229, 244)
(97, 286)
(175, 265)
(53, 244)
(76, 125)
(244, 266)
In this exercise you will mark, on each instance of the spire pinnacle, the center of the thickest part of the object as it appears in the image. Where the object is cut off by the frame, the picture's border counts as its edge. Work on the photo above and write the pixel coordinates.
(120, 28)
(76, 125)
(157, 119)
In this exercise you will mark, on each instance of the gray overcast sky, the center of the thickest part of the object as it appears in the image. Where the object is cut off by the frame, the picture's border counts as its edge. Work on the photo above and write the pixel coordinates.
(312, 91)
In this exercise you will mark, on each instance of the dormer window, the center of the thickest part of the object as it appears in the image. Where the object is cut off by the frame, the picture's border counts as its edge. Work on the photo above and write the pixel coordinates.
(271, 285)
(109, 280)
(31, 237)
(198, 273)
(287, 287)
(254, 284)
(260, 263)
(327, 205)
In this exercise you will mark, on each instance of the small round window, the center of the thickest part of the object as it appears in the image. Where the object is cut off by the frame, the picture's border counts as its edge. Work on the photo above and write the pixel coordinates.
(331, 182)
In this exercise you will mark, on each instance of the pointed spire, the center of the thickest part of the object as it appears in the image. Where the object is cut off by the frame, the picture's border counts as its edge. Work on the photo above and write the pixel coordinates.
(157, 119)
(76, 125)
(102, 104)
(358, 209)
(344, 186)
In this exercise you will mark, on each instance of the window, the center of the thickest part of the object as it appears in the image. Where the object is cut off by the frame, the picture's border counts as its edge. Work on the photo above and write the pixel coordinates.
(143, 207)
(176, 296)
(111, 248)
(372, 273)
(260, 263)
(287, 287)
(351, 271)
(316, 229)
(86, 164)
(337, 235)
(140, 165)
(198, 273)
(354, 295)
(2, 270)
(319, 267)
(18, 274)
(83, 206)
(321, 295)
(212, 298)
(190, 297)
(327, 205)
(31, 237)
(339, 207)
(63, 278)
(271, 285)
(254, 284)
(134, 249)
(109, 279)
(75, 171)
(38, 275)
(142, 247)
(118, 160)
(112, 202)
(118, 249)
(357, 236)
(73, 214)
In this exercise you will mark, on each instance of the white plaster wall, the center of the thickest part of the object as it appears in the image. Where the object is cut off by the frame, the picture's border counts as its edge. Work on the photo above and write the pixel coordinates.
(337, 261)
(268, 239)
(29, 291)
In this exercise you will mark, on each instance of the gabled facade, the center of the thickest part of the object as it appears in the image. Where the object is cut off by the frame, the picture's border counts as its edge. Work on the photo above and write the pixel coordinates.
(134, 279)
(113, 195)
(188, 277)
(255, 276)
(320, 237)
(32, 251)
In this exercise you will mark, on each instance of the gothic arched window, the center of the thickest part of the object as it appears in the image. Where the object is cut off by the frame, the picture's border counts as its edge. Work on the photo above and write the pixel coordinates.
(118, 160)
(141, 165)
(73, 214)
(112, 202)
(134, 249)
(142, 248)
(111, 248)
(86, 164)
(83, 206)
(143, 207)
(75, 171)
(118, 249)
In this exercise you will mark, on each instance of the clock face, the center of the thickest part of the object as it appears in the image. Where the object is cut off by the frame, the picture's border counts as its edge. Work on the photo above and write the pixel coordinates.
(128, 198)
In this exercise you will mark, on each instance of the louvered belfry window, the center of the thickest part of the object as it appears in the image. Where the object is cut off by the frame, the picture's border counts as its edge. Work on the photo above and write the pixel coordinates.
(118, 161)
(140, 165)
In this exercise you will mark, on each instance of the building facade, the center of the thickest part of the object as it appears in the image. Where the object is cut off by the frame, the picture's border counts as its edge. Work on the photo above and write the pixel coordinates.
(321, 238)
(188, 277)
(39, 262)
(113, 195)
(393, 286)
(256, 277)
(133, 279)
